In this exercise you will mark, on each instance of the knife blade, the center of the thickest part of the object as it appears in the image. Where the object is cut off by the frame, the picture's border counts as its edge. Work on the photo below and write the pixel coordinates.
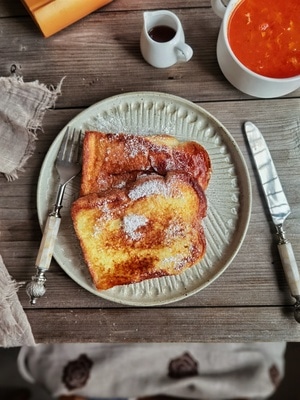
(278, 207)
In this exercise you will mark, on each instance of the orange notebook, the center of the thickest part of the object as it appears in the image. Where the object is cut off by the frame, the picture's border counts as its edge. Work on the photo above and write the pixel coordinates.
(51, 16)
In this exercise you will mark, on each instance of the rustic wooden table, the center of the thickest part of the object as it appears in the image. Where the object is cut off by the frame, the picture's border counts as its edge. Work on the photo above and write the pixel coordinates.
(99, 57)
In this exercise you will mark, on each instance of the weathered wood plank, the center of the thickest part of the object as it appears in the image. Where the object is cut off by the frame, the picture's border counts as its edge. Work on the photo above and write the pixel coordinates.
(166, 325)
(95, 43)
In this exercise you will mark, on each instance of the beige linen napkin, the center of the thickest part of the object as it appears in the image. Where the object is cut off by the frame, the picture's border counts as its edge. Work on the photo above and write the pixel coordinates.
(14, 326)
(22, 108)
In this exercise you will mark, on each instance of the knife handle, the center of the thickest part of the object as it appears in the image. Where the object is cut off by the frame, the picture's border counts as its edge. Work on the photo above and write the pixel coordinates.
(36, 287)
(290, 268)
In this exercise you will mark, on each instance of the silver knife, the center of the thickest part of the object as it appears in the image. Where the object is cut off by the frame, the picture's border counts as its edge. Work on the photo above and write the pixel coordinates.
(278, 206)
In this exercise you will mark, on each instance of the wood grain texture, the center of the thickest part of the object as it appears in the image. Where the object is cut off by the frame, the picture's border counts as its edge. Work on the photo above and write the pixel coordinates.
(172, 325)
(99, 57)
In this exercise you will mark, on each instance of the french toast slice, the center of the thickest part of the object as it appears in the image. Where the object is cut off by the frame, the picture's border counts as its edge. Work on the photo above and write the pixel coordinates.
(113, 160)
(149, 228)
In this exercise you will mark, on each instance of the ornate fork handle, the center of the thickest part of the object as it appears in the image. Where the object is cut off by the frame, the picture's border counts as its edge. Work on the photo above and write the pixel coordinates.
(36, 288)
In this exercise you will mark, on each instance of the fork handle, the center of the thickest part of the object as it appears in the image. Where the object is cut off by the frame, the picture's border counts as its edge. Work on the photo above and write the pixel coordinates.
(36, 288)
(45, 253)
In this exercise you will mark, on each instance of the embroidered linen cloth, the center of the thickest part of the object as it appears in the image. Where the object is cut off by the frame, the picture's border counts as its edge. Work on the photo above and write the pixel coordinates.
(22, 108)
(184, 370)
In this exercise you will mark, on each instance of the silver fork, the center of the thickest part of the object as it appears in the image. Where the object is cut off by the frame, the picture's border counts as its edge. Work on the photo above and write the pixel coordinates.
(68, 166)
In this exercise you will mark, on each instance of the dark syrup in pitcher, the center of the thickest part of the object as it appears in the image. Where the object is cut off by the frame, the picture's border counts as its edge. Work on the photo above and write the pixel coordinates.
(162, 33)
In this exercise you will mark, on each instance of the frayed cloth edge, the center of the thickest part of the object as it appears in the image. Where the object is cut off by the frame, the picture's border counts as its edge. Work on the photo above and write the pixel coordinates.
(12, 333)
(35, 124)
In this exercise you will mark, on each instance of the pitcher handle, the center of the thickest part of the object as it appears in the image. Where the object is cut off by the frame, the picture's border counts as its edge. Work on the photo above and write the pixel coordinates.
(219, 7)
(184, 52)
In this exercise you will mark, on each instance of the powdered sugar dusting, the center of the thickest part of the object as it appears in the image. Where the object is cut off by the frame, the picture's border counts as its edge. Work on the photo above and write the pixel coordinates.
(106, 213)
(174, 231)
(149, 188)
(97, 227)
(134, 147)
(131, 224)
(177, 262)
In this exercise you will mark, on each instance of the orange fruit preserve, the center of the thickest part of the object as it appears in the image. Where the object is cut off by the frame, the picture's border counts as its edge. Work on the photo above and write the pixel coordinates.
(265, 36)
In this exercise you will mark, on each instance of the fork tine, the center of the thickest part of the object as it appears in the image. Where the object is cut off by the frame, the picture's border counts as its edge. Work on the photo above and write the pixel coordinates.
(75, 146)
(64, 144)
(70, 146)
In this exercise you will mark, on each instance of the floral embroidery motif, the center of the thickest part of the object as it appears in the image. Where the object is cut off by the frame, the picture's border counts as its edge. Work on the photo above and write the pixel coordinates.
(274, 375)
(77, 372)
(183, 367)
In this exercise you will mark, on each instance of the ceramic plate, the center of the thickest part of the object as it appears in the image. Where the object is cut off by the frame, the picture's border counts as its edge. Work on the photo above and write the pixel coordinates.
(228, 194)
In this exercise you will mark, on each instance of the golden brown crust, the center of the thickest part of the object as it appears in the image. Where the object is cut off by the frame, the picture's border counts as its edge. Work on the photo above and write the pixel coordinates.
(113, 160)
(149, 228)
